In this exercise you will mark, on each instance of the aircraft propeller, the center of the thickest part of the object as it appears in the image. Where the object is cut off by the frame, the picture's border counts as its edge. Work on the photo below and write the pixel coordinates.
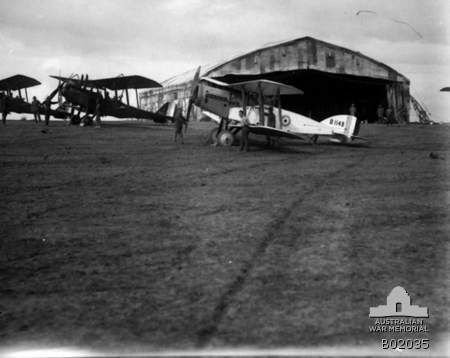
(194, 92)
(56, 90)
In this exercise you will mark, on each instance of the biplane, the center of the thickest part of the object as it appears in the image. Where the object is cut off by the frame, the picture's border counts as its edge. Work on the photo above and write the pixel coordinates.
(222, 102)
(19, 102)
(82, 95)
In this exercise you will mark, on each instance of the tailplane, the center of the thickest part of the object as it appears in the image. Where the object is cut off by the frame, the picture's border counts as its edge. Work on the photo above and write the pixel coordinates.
(345, 127)
(163, 109)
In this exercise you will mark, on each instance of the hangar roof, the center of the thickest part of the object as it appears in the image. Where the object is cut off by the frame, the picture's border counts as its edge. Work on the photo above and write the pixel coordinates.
(305, 53)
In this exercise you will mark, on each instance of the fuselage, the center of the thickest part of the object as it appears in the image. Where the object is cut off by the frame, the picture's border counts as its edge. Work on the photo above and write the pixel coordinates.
(87, 101)
(81, 97)
(339, 128)
(221, 100)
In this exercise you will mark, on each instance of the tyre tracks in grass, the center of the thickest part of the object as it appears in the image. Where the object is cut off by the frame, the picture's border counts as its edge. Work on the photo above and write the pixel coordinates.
(211, 327)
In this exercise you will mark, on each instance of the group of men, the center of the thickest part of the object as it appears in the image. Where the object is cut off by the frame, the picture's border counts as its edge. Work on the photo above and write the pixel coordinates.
(36, 109)
(7, 106)
(385, 116)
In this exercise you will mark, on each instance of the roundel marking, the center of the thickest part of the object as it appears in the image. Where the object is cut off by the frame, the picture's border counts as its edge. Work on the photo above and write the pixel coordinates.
(285, 121)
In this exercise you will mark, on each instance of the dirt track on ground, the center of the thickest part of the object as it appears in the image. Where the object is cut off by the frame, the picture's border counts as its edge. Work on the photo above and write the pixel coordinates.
(118, 237)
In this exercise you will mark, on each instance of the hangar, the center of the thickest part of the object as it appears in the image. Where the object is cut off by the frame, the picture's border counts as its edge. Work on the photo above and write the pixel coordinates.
(332, 78)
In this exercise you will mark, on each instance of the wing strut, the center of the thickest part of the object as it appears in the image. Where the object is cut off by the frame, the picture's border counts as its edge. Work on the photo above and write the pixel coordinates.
(279, 108)
(138, 105)
(261, 105)
(244, 101)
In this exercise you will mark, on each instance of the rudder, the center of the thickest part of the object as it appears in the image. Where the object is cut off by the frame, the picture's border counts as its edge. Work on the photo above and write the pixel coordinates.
(343, 124)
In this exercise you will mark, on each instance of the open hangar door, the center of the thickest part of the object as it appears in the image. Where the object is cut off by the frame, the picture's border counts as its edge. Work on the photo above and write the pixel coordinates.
(326, 94)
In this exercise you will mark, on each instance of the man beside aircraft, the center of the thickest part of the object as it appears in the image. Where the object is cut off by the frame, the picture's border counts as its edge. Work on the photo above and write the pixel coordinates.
(98, 112)
(47, 109)
(35, 104)
(245, 130)
(4, 102)
(179, 122)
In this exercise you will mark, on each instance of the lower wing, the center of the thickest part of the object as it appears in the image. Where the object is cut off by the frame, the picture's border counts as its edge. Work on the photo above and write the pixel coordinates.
(272, 132)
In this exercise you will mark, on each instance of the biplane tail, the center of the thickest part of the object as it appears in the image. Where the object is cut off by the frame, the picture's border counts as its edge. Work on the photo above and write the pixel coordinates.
(163, 109)
(345, 127)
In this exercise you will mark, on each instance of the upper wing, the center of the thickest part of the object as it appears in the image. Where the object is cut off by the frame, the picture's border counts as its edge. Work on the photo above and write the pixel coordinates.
(65, 79)
(18, 82)
(215, 83)
(124, 82)
(115, 83)
(268, 88)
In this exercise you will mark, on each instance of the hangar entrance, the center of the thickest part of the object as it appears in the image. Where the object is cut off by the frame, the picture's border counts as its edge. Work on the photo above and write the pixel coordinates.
(326, 94)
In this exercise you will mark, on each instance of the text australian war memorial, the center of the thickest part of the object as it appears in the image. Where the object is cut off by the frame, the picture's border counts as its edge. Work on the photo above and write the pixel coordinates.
(332, 78)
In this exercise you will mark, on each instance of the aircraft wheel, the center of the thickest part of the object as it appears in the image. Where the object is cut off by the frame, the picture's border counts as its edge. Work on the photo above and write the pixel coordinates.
(212, 138)
(226, 139)
(75, 120)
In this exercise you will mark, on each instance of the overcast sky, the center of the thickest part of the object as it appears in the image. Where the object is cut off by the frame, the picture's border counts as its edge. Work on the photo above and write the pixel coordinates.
(160, 39)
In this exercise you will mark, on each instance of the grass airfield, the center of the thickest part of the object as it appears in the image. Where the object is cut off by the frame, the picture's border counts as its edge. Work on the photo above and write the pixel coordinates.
(117, 237)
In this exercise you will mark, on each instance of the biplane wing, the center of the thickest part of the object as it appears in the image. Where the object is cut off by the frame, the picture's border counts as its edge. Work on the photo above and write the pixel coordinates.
(270, 131)
(115, 83)
(17, 82)
(445, 89)
(124, 82)
(125, 111)
(267, 88)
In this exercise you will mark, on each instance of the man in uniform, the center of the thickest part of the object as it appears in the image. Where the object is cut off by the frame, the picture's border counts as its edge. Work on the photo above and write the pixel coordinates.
(47, 109)
(390, 117)
(35, 104)
(352, 110)
(380, 114)
(245, 130)
(179, 122)
(98, 112)
(4, 104)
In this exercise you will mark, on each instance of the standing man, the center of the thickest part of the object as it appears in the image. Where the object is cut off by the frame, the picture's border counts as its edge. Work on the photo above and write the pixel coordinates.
(245, 130)
(179, 122)
(4, 104)
(47, 109)
(390, 117)
(380, 114)
(98, 112)
(35, 104)
(352, 110)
